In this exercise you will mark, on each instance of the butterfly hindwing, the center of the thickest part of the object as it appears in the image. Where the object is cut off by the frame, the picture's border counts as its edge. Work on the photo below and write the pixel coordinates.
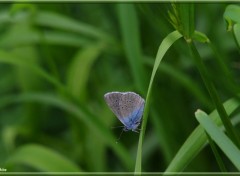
(131, 104)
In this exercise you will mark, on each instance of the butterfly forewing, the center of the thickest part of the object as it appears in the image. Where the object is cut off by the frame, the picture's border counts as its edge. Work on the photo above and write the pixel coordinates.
(112, 99)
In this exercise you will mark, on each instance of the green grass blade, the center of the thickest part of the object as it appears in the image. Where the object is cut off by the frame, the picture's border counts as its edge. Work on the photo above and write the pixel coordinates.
(213, 94)
(15, 60)
(216, 154)
(58, 21)
(80, 67)
(230, 82)
(131, 41)
(18, 36)
(81, 113)
(163, 48)
(65, 39)
(227, 146)
(196, 140)
(27, 36)
(42, 159)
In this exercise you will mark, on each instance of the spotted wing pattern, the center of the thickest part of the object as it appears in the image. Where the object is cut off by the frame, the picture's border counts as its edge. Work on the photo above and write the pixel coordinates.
(130, 104)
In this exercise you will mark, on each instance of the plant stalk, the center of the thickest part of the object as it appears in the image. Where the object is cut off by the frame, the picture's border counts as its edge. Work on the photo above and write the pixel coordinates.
(214, 95)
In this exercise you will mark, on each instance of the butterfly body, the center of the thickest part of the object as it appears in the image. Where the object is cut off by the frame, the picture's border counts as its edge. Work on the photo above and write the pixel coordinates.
(127, 106)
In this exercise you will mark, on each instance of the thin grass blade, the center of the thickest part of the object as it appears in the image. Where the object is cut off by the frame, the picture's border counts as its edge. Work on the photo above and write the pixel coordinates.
(78, 111)
(163, 48)
(42, 159)
(227, 146)
(197, 140)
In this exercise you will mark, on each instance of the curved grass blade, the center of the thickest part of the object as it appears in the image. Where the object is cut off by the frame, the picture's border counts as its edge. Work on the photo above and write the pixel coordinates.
(227, 146)
(30, 36)
(42, 159)
(59, 21)
(80, 67)
(163, 48)
(197, 140)
(17, 61)
(81, 113)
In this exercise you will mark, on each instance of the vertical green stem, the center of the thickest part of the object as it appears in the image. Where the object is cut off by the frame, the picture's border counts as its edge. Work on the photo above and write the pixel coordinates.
(216, 154)
(230, 82)
(213, 94)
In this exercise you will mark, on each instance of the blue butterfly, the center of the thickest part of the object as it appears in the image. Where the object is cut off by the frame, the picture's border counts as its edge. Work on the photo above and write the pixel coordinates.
(128, 107)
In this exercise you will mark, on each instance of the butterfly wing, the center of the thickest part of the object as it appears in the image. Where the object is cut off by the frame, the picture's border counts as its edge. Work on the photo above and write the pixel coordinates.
(112, 99)
(131, 106)
(128, 107)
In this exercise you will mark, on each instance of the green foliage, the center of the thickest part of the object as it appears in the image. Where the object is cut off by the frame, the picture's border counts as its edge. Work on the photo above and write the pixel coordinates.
(231, 16)
(220, 138)
(182, 18)
(197, 140)
(58, 60)
(131, 42)
(42, 159)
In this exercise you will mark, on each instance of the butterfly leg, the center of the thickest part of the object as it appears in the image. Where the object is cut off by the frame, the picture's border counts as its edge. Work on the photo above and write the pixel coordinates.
(136, 130)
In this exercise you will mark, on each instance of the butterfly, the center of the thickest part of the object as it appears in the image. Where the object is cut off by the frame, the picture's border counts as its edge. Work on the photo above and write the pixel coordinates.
(128, 107)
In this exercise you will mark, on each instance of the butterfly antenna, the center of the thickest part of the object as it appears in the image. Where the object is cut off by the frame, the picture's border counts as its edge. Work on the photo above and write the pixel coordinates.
(119, 136)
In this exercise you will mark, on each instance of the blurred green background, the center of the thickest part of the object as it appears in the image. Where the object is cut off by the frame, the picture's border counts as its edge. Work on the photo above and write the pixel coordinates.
(57, 60)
